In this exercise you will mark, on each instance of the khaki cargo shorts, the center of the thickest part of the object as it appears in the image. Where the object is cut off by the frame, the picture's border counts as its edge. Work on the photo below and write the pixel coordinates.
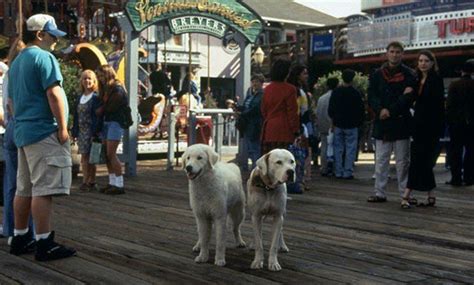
(44, 168)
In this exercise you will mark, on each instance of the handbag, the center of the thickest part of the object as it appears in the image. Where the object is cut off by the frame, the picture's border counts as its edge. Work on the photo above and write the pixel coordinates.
(97, 154)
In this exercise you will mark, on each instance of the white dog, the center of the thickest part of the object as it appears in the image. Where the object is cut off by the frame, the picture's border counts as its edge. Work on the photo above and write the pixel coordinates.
(215, 191)
(267, 197)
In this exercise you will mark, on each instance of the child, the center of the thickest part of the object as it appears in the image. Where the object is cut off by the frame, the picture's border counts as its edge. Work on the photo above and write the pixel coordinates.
(85, 126)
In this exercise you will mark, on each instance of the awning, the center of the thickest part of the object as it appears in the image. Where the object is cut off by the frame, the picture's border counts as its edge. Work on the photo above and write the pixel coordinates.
(89, 56)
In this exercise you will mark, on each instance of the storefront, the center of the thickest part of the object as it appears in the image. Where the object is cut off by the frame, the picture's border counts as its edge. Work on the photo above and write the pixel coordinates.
(445, 29)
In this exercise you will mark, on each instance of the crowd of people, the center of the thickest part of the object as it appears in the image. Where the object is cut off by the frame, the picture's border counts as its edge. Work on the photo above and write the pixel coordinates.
(407, 113)
(408, 108)
(37, 146)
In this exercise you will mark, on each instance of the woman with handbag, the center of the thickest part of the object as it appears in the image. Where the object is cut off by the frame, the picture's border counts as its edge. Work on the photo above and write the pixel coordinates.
(114, 106)
(85, 129)
(298, 77)
(279, 110)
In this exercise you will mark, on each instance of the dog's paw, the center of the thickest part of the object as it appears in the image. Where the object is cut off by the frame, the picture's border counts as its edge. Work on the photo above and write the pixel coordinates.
(201, 259)
(220, 262)
(241, 244)
(257, 264)
(274, 266)
(196, 248)
(284, 248)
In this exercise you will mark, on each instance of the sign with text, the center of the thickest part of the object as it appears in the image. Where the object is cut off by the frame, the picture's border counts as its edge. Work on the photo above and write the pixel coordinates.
(233, 14)
(322, 44)
(197, 24)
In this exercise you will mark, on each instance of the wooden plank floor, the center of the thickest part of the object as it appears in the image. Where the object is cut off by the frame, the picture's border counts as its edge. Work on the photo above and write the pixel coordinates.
(334, 236)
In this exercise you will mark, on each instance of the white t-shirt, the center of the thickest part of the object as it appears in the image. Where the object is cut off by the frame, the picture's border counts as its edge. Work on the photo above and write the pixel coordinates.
(85, 98)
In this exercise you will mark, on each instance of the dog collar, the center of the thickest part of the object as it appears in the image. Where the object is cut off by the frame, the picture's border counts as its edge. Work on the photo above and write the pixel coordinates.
(259, 182)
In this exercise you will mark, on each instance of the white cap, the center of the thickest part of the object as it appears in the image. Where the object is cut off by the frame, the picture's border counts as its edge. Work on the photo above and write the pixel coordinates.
(43, 22)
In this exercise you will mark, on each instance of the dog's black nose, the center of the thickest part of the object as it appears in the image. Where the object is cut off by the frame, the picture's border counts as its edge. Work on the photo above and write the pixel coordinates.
(291, 174)
(189, 168)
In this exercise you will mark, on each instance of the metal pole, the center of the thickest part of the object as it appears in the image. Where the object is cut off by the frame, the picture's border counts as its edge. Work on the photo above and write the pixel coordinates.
(191, 127)
(171, 140)
(20, 18)
(156, 45)
(46, 6)
(219, 133)
(208, 62)
(164, 50)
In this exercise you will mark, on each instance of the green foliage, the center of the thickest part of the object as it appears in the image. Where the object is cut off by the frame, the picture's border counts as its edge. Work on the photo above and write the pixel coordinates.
(361, 83)
(71, 75)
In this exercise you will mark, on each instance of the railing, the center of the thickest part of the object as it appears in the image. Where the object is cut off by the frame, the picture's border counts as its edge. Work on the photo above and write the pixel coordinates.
(223, 127)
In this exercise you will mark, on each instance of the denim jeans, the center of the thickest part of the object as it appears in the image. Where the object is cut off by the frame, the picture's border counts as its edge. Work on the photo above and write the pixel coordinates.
(10, 155)
(252, 147)
(345, 141)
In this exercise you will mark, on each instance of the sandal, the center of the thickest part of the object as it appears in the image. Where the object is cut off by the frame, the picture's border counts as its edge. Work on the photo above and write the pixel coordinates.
(84, 187)
(376, 199)
(429, 203)
(405, 204)
(413, 201)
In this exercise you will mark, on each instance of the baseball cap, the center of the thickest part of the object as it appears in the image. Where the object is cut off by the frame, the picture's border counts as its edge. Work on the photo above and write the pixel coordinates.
(43, 22)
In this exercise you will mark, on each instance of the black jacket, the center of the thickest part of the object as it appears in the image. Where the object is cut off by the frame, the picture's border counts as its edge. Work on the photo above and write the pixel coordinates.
(460, 101)
(160, 83)
(428, 121)
(346, 108)
(383, 94)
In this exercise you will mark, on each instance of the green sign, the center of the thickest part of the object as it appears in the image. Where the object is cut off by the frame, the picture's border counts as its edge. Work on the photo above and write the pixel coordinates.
(225, 13)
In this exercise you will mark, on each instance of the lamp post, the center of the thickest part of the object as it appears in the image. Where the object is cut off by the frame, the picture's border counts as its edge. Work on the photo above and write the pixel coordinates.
(258, 57)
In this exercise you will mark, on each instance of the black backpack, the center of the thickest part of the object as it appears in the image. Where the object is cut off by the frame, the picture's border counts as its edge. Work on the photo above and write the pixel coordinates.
(125, 117)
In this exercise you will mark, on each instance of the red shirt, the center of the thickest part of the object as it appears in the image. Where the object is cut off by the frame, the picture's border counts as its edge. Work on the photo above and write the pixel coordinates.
(279, 112)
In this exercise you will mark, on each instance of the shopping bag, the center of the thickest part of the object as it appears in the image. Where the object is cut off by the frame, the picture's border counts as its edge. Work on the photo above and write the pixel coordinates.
(97, 154)
(300, 153)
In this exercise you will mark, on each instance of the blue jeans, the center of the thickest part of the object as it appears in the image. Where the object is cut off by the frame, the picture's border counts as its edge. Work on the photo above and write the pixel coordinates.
(252, 148)
(112, 131)
(10, 155)
(345, 141)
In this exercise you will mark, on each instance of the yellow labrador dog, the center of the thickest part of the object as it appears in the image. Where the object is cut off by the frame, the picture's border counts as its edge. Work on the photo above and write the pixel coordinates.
(215, 191)
(267, 197)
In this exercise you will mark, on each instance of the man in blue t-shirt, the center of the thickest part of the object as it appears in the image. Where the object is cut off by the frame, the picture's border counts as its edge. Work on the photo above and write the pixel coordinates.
(41, 135)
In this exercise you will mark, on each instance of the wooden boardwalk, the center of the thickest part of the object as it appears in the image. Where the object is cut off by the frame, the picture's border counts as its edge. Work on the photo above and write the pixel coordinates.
(334, 236)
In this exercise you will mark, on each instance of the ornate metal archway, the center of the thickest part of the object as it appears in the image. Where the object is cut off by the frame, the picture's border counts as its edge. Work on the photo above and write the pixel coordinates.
(213, 17)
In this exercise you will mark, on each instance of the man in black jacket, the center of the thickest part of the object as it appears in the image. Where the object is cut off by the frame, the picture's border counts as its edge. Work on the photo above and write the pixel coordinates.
(160, 82)
(460, 117)
(389, 87)
(346, 110)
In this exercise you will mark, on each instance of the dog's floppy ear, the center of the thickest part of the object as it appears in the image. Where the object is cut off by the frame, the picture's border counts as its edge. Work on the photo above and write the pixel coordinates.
(262, 163)
(183, 158)
(213, 156)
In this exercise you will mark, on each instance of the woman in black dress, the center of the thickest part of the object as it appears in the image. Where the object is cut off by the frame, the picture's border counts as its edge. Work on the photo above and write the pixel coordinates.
(427, 128)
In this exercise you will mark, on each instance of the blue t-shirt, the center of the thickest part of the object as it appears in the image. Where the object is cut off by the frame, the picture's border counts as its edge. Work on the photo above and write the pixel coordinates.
(32, 73)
